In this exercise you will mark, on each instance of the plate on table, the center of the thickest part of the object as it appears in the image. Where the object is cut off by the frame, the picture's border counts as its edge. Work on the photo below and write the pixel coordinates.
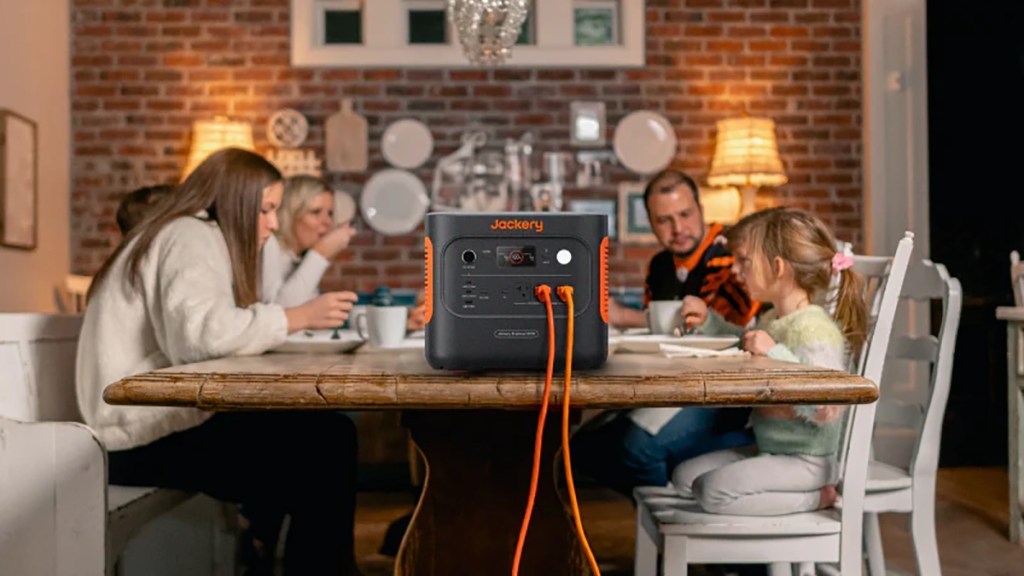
(393, 202)
(321, 342)
(645, 142)
(651, 343)
(407, 143)
(407, 343)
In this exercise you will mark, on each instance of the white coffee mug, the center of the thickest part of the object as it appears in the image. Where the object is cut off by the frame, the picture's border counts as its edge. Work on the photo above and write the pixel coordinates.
(354, 314)
(663, 315)
(383, 326)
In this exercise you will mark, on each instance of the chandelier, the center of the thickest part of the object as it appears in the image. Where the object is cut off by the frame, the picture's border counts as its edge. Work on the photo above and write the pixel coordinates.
(487, 29)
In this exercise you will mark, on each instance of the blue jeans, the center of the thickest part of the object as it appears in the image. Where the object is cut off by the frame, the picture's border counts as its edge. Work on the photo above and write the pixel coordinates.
(622, 455)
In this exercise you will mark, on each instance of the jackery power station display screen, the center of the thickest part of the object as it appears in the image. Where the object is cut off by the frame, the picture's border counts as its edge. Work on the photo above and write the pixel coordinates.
(517, 256)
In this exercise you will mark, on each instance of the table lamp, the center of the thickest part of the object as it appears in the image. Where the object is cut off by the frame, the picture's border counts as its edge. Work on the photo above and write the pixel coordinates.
(209, 136)
(746, 156)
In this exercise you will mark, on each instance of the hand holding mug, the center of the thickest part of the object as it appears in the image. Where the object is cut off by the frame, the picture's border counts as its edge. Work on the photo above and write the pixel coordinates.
(326, 311)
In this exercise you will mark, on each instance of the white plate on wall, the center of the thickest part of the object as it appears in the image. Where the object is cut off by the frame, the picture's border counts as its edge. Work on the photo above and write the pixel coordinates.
(645, 142)
(344, 207)
(393, 202)
(407, 143)
(321, 342)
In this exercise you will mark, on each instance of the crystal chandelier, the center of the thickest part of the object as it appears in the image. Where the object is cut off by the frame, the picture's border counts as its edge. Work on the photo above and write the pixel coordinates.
(487, 29)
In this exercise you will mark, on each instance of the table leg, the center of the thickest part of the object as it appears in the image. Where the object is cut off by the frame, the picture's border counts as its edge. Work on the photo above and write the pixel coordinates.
(471, 508)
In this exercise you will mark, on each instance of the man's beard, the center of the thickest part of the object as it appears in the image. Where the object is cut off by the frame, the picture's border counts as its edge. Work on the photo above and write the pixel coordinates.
(687, 253)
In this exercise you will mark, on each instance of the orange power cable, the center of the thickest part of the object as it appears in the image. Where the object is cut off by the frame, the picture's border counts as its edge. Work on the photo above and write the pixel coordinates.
(543, 293)
(565, 293)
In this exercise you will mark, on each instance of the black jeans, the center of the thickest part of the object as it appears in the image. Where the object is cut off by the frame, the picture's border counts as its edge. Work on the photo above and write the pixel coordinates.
(298, 463)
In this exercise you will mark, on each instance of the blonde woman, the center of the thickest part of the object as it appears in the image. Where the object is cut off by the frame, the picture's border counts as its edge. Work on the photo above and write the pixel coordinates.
(297, 255)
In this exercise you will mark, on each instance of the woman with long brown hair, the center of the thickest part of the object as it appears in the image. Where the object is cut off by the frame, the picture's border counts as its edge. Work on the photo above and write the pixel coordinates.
(183, 287)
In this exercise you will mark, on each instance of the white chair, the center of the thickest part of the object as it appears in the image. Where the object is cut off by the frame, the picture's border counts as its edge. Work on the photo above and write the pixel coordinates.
(911, 489)
(1015, 411)
(58, 516)
(684, 535)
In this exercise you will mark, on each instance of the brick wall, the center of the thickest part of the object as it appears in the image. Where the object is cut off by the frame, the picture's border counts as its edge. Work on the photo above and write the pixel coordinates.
(143, 70)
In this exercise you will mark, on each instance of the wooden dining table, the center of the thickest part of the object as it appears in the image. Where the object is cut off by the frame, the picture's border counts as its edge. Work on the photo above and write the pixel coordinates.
(476, 431)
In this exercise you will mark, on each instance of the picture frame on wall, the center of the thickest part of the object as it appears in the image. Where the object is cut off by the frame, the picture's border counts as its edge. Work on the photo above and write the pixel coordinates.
(634, 226)
(596, 22)
(18, 181)
(588, 123)
(592, 206)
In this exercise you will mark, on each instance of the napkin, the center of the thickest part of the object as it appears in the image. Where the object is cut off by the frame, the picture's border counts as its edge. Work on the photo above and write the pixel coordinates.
(676, 351)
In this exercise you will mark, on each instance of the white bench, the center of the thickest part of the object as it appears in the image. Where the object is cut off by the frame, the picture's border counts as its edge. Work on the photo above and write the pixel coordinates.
(58, 516)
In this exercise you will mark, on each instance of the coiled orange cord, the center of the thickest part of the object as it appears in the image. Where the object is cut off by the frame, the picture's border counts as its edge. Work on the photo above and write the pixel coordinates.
(565, 293)
(543, 293)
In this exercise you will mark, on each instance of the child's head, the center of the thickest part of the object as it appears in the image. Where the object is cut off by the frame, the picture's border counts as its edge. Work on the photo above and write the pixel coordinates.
(137, 204)
(801, 241)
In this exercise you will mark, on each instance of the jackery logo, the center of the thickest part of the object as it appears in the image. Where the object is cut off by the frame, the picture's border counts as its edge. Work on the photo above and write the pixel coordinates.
(513, 224)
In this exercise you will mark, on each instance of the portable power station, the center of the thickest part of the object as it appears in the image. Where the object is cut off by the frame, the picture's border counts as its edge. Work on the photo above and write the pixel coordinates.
(481, 271)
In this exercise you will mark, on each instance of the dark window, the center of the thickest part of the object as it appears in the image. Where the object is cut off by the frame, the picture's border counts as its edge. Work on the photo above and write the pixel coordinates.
(343, 27)
(527, 36)
(428, 27)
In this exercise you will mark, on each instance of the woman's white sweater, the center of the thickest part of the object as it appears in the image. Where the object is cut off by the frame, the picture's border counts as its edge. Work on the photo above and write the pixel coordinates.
(183, 312)
(289, 280)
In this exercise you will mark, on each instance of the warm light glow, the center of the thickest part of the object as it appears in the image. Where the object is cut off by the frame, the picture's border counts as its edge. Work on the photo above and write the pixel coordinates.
(746, 155)
(209, 136)
(720, 205)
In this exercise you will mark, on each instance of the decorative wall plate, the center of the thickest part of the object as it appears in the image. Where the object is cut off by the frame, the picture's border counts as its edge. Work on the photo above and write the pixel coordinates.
(393, 202)
(645, 142)
(287, 128)
(344, 207)
(407, 143)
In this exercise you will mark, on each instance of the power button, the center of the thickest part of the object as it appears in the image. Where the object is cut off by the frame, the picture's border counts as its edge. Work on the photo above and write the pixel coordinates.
(563, 257)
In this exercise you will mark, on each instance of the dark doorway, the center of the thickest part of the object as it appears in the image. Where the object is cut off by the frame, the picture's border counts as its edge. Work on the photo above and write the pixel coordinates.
(976, 147)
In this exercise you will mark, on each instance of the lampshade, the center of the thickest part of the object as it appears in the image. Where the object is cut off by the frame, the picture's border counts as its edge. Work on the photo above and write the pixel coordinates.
(209, 136)
(746, 154)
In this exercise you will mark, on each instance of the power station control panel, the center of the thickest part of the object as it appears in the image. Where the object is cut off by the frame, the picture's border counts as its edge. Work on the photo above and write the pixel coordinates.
(494, 277)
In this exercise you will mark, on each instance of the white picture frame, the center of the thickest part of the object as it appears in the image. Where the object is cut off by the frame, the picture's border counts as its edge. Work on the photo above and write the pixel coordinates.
(19, 174)
(598, 206)
(588, 124)
(634, 225)
(384, 38)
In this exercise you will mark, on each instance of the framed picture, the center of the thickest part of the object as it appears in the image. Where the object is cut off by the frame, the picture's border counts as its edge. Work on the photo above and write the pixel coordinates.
(596, 22)
(18, 176)
(634, 226)
(587, 123)
(606, 207)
